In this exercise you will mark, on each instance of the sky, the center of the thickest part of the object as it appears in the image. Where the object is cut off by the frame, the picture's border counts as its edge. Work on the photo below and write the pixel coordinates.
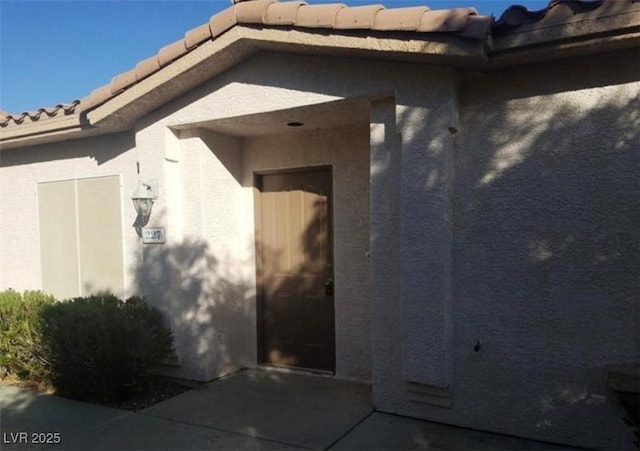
(55, 51)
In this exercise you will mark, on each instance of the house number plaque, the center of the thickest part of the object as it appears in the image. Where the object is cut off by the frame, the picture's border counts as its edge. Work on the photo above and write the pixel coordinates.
(153, 235)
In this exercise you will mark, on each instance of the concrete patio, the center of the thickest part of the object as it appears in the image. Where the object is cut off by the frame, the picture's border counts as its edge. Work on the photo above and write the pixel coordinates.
(252, 409)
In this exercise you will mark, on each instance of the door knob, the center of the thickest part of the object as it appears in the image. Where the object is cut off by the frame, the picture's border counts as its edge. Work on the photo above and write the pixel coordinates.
(328, 287)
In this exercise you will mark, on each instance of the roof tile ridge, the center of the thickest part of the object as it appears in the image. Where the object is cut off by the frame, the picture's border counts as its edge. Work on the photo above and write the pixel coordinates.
(252, 11)
(357, 17)
(318, 16)
(283, 13)
(36, 115)
(399, 19)
(516, 15)
(217, 24)
(293, 13)
(446, 20)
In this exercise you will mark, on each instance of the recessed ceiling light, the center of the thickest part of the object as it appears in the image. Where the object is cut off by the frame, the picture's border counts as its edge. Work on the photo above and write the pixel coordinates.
(295, 124)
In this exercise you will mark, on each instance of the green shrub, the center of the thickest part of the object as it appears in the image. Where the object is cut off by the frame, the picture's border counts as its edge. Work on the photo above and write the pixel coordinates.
(19, 339)
(99, 348)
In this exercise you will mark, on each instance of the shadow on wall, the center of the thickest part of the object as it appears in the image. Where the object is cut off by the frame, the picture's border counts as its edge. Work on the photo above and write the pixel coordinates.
(546, 245)
(102, 149)
(208, 301)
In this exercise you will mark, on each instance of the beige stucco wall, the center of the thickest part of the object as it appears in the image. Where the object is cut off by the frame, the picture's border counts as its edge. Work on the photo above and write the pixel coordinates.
(202, 278)
(207, 205)
(346, 150)
(547, 244)
(517, 232)
(21, 170)
(544, 275)
(210, 271)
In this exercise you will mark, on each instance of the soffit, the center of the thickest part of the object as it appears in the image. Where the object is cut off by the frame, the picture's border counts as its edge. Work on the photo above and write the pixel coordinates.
(321, 116)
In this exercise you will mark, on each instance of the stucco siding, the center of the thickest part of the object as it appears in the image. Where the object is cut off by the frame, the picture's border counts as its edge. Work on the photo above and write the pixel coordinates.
(546, 204)
(486, 237)
(424, 114)
(269, 82)
(386, 279)
(21, 170)
(547, 246)
(204, 277)
(201, 277)
(346, 150)
(208, 209)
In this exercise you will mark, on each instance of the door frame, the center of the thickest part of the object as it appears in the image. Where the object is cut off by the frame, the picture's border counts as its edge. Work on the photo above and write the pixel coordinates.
(260, 299)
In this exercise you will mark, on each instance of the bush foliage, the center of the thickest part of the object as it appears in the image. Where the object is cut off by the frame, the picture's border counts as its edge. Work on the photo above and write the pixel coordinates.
(99, 347)
(19, 338)
(96, 348)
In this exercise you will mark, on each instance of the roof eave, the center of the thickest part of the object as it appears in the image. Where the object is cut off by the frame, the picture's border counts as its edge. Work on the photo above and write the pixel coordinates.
(49, 130)
(216, 56)
(586, 45)
(620, 29)
(213, 57)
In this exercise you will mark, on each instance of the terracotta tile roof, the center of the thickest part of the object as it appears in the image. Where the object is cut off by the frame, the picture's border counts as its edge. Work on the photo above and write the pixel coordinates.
(519, 18)
(59, 110)
(463, 22)
(459, 22)
(298, 14)
(562, 21)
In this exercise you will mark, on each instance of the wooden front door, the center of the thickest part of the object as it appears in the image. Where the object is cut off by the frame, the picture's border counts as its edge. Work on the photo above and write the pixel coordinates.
(296, 311)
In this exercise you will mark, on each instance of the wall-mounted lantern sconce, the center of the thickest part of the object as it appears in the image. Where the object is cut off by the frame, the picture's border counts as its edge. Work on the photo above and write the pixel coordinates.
(143, 198)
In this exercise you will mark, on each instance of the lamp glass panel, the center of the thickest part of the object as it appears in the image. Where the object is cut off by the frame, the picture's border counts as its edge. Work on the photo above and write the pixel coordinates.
(143, 206)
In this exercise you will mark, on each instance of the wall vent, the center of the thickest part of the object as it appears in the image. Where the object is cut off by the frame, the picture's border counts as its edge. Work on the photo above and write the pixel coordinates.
(428, 394)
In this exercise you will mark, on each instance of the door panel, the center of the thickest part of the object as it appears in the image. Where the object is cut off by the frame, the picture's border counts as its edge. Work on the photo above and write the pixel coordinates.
(294, 233)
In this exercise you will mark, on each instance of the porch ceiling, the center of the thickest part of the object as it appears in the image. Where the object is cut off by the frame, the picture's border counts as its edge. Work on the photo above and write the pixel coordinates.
(313, 117)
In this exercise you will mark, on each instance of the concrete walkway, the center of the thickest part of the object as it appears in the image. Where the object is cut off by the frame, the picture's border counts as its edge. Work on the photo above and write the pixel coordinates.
(253, 409)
